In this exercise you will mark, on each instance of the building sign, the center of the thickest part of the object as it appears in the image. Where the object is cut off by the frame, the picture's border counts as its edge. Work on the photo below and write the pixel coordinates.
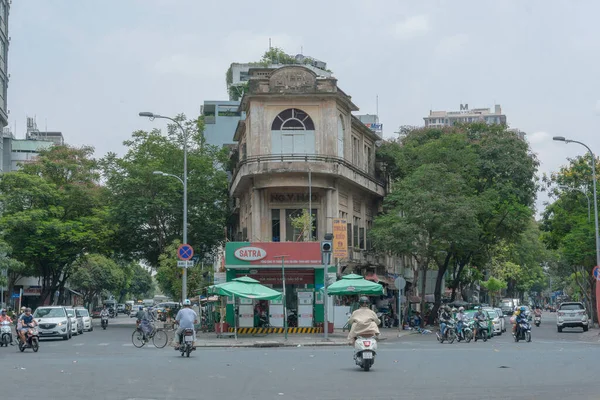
(293, 197)
(375, 127)
(32, 291)
(274, 277)
(238, 254)
(340, 238)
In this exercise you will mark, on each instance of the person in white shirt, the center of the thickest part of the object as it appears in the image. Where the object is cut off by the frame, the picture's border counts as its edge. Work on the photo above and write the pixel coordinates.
(186, 319)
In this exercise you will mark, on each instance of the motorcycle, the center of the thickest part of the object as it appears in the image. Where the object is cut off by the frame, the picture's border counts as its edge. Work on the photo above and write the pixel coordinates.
(365, 352)
(32, 340)
(386, 319)
(104, 322)
(449, 333)
(523, 331)
(5, 334)
(466, 333)
(292, 320)
(537, 320)
(187, 345)
(482, 331)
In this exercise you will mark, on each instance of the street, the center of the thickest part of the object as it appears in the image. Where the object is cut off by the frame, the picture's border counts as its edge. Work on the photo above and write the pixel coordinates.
(105, 365)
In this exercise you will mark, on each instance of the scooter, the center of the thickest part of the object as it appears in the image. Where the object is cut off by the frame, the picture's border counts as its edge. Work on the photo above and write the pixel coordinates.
(365, 352)
(5, 334)
(537, 320)
(104, 322)
(449, 333)
(523, 332)
(482, 331)
(466, 333)
(187, 345)
(32, 340)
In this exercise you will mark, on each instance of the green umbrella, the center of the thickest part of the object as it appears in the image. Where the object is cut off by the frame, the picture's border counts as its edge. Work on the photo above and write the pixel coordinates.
(354, 284)
(245, 287)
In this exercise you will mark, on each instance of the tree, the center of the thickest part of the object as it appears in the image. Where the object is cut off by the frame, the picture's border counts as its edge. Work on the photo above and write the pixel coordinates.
(494, 286)
(147, 210)
(168, 274)
(53, 212)
(14, 269)
(496, 171)
(94, 274)
(137, 282)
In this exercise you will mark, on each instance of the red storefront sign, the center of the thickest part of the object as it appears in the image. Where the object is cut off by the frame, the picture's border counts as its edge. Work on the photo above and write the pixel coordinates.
(274, 277)
(267, 253)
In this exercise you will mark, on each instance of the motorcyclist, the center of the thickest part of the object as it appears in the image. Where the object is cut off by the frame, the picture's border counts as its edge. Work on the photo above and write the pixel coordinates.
(27, 322)
(445, 316)
(538, 312)
(520, 316)
(364, 321)
(186, 319)
(104, 312)
(461, 318)
(4, 316)
(479, 317)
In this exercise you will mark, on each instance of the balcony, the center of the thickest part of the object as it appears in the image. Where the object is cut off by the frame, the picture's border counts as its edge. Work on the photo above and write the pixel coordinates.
(272, 164)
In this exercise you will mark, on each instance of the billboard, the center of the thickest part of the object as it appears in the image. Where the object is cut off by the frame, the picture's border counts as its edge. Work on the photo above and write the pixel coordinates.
(256, 254)
(340, 238)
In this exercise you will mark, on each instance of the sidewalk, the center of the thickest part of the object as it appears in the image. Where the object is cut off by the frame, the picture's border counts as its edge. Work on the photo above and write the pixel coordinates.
(337, 338)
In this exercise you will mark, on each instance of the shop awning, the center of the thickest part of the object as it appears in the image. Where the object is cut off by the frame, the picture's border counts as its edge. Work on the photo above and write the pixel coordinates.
(377, 279)
(245, 287)
(354, 284)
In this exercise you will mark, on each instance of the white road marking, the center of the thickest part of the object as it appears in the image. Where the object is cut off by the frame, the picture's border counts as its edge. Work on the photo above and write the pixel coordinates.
(127, 345)
(79, 344)
(103, 344)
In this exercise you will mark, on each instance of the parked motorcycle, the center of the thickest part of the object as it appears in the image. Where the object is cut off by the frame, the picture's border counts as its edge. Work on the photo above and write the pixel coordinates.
(104, 322)
(537, 320)
(32, 340)
(482, 330)
(466, 333)
(292, 320)
(386, 319)
(523, 331)
(449, 333)
(5, 334)
(365, 352)
(186, 346)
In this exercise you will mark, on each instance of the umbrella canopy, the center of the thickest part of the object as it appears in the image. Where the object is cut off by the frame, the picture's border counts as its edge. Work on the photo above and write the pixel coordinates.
(458, 303)
(245, 287)
(354, 284)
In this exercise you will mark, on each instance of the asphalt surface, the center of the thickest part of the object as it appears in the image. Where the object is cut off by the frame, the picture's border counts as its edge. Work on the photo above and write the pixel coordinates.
(105, 365)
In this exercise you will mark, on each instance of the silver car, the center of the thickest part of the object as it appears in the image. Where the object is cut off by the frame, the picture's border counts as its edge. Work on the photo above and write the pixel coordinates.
(86, 319)
(74, 322)
(502, 319)
(53, 321)
(572, 315)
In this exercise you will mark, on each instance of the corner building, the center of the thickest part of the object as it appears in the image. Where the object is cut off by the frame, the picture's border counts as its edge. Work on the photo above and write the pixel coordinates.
(300, 147)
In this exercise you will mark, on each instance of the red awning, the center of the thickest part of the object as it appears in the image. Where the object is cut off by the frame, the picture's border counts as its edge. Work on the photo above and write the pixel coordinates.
(372, 277)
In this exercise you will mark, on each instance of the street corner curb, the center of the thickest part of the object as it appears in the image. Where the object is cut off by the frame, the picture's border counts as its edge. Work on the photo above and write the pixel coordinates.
(267, 344)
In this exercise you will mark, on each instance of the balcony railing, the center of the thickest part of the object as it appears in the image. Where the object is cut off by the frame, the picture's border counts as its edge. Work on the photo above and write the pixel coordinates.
(307, 158)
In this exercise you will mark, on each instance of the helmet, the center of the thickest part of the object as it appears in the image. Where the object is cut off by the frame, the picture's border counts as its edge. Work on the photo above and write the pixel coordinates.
(523, 308)
(187, 302)
(447, 308)
(364, 301)
(3, 311)
(477, 308)
(461, 309)
(453, 309)
(28, 309)
(141, 308)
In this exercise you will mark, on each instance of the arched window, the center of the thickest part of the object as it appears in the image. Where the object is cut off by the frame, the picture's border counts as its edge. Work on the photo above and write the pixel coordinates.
(293, 132)
(340, 137)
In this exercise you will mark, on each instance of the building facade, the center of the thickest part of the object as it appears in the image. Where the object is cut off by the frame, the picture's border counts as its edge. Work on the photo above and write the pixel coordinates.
(465, 115)
(4, 43)
(220, 121)
(33, 133)
(298, 149)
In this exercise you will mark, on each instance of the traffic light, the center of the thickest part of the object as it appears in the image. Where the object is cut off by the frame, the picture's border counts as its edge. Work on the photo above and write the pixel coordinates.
(326, 246)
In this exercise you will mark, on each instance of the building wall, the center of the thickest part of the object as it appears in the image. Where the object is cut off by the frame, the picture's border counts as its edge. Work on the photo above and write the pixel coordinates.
(219, 124)
(4, 12)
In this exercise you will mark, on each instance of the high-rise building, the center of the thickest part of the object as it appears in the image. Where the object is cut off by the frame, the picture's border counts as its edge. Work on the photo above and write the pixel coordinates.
(465, 115)
(4, 11)
(33, 133)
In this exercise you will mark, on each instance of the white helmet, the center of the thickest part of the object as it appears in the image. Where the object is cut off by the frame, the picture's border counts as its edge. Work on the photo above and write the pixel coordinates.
(461, 309)
(187, 302)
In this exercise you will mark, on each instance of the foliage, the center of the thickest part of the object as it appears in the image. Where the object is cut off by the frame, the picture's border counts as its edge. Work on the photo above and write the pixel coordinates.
(54, 211)
(236, 92)
(477, 182)
(13, 268)
(168, 274)
(147, 208)
(137, 282)
(494, 286)
(94, 274)
(303, 223)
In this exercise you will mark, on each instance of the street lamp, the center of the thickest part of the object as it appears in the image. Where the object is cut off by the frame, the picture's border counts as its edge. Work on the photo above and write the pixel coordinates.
(152, 116)
(563, 139)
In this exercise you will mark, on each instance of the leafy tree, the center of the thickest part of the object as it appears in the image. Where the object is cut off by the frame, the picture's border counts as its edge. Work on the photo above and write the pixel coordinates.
(94, 274)
(13, 268)
(53, 212)
(168, 274)
(496, 172)
(494, 286)
(148, 209)
(137, 282)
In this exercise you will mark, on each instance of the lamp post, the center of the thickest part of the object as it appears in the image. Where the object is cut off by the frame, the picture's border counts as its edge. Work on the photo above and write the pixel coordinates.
(285, 325)
(152, 116)
(563, 139)
(586, 196)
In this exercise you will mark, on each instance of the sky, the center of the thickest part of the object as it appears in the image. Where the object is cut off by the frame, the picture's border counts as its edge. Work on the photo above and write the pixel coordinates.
(87, 68)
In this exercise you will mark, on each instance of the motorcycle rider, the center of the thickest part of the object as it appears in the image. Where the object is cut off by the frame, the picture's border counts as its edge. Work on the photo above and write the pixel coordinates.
(5, 318)
(104, 313)
(364, 321)
(445, 316)
(186, 319)
(461, 318)
(27, 322)
(478, 317)
(520, 316)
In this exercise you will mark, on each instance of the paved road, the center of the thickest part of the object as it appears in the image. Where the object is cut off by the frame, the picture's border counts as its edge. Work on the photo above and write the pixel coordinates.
(104, 365)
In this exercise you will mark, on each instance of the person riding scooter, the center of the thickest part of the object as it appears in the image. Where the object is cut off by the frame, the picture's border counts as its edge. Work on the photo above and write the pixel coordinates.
(186, 319)
(364, 321)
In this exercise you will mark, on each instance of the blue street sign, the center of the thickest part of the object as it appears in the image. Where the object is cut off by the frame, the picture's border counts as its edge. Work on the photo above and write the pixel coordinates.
(596, 273)
(15, 295)
(185, 252)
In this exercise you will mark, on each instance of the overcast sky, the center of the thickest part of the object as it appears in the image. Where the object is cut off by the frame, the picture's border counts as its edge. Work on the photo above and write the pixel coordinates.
(86, 68)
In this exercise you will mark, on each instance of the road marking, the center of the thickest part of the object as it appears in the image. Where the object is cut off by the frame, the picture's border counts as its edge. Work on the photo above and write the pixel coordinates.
(103, 344)
(127, 345)
(79, 344)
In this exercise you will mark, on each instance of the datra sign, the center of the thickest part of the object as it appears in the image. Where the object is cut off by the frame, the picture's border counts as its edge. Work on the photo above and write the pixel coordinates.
(250, 253)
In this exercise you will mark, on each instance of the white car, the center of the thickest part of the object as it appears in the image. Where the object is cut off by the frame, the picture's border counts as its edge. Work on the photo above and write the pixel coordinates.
(133, 312)
(73, 318)
(497, 325)
(572, 315)
(53, 321)
(83, 313)
(502, 319)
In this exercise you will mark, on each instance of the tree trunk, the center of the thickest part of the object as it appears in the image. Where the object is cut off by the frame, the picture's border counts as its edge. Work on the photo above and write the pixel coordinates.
(423, 293)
